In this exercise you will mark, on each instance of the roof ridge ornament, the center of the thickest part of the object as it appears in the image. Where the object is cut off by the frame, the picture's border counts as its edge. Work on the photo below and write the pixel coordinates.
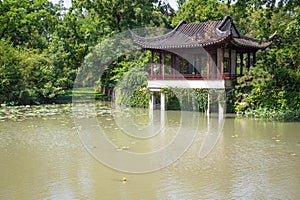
(179, 24)
(227, 25)
(135, 36)
(271, 38)
(224, 21)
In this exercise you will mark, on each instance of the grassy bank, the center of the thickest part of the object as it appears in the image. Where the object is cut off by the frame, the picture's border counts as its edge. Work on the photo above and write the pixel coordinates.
(275, 114)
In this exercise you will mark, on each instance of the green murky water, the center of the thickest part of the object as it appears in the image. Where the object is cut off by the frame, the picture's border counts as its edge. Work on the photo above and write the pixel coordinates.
(43, 158)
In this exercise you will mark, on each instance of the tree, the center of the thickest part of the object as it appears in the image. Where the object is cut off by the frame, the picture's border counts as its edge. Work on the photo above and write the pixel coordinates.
(280, 94)
(28, 23)
(10, 74)
(180, 2)
(88, 23)
(39, 77)
(195, 11)
(116, 15)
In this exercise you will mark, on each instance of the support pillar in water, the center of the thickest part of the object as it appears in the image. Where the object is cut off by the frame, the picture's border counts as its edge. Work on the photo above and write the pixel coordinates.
(208, 104)
(162, 101)
(152, 102)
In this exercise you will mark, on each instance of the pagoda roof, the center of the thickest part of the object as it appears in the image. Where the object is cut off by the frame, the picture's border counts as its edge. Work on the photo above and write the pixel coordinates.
(202, 35)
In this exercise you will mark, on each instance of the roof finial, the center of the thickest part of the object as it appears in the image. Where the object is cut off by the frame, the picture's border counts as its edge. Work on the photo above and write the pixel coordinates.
(271, 38)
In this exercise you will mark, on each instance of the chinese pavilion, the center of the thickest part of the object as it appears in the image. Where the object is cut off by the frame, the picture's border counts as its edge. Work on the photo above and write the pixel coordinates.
(202, 55)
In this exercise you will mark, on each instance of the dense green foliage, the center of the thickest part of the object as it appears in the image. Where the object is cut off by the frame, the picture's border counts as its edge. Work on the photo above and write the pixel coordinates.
(271, 89)
(132, 89)
(194, 11)
(186, 99)
(43, 45)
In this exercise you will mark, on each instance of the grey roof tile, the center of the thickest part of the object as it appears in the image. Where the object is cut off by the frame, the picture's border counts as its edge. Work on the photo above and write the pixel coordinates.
(201, 35)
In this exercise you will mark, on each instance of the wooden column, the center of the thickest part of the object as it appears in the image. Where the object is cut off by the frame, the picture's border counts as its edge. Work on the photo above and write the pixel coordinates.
(242, 63)
(222, 64)
(235, 61)
(172, 63)
(175, 67)
(254, 58)
(163, 65)
(180, 65)
(229, 62)
(208, 64)
(248, 60)
(152, 64)
(160, 65)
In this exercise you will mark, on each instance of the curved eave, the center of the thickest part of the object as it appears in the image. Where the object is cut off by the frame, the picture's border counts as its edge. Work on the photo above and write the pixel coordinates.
(185, 36)
(145, 46)
(187, 42)
(250, 44)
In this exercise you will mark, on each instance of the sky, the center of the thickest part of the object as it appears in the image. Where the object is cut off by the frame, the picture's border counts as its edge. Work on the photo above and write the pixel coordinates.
(67, 3)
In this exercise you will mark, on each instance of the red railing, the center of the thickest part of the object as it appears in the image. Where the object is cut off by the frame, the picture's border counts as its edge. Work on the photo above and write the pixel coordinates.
(191, 77)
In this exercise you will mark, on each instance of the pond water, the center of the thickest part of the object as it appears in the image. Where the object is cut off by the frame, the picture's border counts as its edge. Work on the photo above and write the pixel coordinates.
(44, 158)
